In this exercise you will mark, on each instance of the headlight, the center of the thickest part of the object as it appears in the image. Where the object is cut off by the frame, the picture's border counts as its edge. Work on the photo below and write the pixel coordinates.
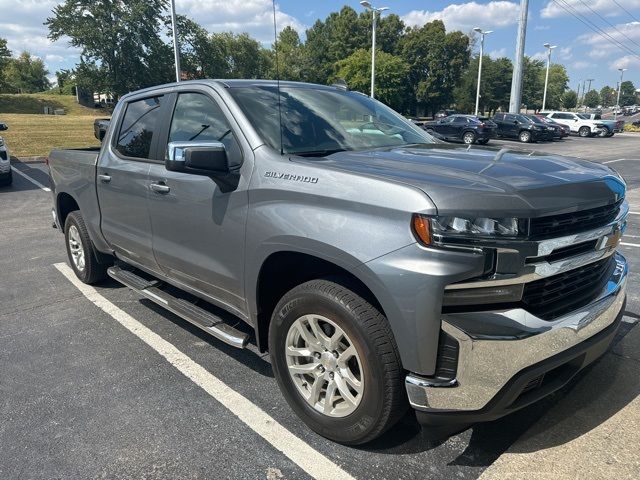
(1, 142)
(426, 228)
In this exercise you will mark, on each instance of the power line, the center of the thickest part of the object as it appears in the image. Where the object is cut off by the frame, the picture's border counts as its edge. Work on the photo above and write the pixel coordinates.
(609, 23)
(571, 10)
(614, 1)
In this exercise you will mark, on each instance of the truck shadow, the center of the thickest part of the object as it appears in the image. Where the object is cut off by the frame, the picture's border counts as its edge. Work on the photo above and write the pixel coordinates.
(586, 402)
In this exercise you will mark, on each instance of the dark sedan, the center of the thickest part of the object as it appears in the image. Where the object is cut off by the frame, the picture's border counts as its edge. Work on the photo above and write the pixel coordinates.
(462, 128)
(565, 130)
(553, 130)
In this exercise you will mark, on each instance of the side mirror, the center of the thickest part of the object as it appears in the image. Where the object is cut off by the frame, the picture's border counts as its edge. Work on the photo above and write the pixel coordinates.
(3, 127)
(516, 122)
(199, 158)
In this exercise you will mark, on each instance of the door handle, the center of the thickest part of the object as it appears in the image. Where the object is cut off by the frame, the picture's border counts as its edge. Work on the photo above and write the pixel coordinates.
(104, 178)
(160, 188)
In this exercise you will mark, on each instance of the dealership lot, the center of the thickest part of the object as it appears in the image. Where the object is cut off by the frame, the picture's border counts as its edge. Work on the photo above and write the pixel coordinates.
(99, 383)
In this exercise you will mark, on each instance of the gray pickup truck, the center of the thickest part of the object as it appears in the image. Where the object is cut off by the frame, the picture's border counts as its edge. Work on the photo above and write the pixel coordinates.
(380, 268)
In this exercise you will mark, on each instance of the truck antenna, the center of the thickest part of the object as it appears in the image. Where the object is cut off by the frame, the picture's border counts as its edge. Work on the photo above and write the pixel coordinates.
(275, 36)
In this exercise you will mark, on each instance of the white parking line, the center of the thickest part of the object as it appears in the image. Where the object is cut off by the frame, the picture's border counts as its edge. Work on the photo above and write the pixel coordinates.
(35, 182)
(630, 244)
(634, 213)
(306, 457)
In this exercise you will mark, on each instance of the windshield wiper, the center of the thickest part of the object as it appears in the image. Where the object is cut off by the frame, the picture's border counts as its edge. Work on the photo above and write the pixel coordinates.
(318, 153)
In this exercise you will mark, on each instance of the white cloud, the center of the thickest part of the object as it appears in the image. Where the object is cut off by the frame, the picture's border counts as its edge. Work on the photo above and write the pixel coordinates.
(499, 53)
(542, 27)
(539, 56)
(254, 17)
(466, 16)
(625, 62)
(554, 9)
(598, 53)
(564, 53)
(581, 65)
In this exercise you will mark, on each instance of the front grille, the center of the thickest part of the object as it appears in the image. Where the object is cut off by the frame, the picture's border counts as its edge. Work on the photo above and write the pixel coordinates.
(569, 223)
(554, 296)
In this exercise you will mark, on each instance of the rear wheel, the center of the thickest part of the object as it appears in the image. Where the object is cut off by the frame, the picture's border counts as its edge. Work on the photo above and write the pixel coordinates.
(525, 136)
(584, 132)
(336, 362)
(469, 138)
(80, 251)
(605, 132)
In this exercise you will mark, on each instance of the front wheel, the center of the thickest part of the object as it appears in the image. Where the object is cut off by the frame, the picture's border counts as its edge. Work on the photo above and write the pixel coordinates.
(584, 132)
(336, 362)
(469, 138)
(525, 136)
(605, 132)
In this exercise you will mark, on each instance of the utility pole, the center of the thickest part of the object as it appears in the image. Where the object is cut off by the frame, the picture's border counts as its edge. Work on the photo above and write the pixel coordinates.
(549, 47)
(617, 107)
(516, 83)
(176, 47)
(589, 80)
(482, 33)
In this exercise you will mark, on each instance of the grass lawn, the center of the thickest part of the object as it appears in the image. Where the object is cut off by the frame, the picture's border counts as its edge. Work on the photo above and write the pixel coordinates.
(33, 134)
(37, 135)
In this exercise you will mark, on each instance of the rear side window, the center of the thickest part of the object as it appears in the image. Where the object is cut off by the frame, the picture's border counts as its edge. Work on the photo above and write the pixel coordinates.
(460, 120)
(138, 126)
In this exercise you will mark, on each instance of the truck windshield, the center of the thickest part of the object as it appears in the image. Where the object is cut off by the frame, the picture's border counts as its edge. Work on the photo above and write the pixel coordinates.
(321, 121)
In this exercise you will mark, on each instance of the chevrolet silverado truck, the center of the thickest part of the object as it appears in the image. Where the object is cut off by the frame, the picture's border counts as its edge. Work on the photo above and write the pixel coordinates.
(582, 126)
(381, 268)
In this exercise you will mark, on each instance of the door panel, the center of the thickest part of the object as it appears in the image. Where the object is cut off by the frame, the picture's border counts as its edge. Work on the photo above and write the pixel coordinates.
(122, 182)
(198, 230)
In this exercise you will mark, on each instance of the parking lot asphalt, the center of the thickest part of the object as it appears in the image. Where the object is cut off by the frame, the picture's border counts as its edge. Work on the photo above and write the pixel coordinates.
(97, 383)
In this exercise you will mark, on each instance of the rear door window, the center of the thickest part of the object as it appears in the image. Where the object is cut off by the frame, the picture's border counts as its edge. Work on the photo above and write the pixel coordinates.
(140, 123)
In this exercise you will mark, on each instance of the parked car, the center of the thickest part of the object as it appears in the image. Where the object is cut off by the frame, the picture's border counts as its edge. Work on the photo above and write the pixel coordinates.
(6, 176)
(462, 128)
(610, 127)
(100, 126)
(515, 125)
(581, 126)
(554, 132)
(444, 113)
(565, 131)
(381, 269)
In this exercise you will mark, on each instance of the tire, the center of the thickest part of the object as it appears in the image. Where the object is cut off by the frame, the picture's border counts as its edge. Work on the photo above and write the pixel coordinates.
(373, 361)
(81, 252)
(483, 142)
(468, 138)
(605, 132)
(524, 136)
(584, 132)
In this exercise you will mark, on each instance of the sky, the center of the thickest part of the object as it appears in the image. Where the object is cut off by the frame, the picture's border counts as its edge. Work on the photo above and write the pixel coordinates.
(585, 53)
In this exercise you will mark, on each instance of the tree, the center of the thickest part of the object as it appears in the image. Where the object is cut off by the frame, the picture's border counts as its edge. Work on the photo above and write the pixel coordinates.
(121, 42)
(436, 60)
(290, 56)
(570, 99)
(66, 80)
(495, 85)
(26, 74)
(628, 94)
(592, 99)
(608, 96)
(391, 76)
(558, 84)
(5, 58)
(533, 83)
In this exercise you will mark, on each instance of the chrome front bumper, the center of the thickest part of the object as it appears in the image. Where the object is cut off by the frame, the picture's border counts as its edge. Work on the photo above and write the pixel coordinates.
(518, 340)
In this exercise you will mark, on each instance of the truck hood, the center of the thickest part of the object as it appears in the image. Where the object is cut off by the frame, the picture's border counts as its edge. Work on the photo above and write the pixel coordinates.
(482, 181)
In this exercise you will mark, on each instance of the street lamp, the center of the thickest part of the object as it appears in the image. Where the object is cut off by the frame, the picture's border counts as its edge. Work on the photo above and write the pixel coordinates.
(615, 112)
(549, 47)
(374, 11)
(482, 33)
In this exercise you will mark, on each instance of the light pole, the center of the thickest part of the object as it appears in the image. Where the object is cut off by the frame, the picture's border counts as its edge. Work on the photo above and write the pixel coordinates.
(549, 47)
(482, 33)
(615, 111)
(374, 12)
(515, 99)
(176, 47)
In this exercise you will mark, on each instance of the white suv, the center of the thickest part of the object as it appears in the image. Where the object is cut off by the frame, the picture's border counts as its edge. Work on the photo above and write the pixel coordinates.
(581, 126)
(5, 162)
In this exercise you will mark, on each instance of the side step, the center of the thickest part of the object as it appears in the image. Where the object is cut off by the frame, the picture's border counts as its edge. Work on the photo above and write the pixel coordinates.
(200, 317)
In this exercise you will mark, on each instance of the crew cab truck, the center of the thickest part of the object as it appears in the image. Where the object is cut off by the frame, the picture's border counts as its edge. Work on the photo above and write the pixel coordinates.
(380, 267)
(584, 127)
